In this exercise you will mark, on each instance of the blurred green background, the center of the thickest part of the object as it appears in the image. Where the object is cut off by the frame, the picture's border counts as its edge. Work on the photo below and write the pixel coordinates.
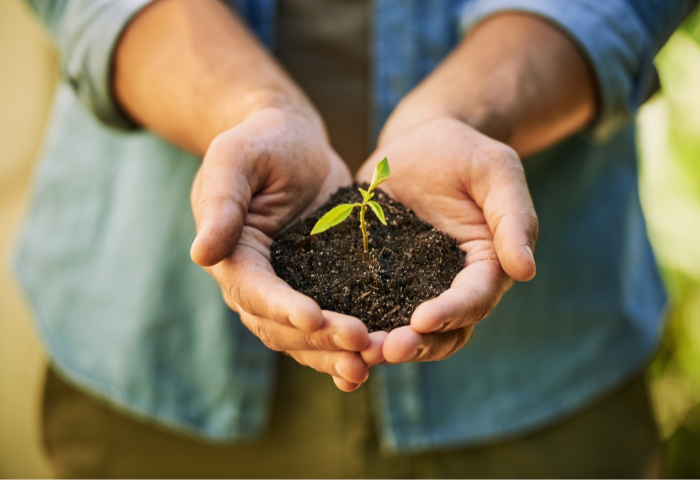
(669, 145)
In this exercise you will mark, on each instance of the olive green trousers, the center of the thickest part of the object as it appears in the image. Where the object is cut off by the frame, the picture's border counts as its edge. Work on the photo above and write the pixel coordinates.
(316, 431)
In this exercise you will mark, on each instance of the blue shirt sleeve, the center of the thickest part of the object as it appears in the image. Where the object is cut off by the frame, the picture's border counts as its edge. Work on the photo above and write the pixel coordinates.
(619, 37)
(86, 33)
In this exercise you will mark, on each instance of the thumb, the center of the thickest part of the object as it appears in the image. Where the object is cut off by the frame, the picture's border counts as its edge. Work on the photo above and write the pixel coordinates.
(514, 239)
(221, 194)
(511, 217)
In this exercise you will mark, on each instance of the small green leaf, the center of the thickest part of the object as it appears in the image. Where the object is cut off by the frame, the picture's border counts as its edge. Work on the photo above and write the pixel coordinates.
(332, 218)
(377, 209)
(366, 196)
(381, 173)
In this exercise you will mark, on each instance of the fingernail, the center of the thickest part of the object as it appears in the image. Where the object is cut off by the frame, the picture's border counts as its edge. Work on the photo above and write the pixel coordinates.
(529, 250)
(340, 342)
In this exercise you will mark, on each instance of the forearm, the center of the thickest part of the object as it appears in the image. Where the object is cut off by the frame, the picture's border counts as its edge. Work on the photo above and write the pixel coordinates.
(190, 70)
(515, 78)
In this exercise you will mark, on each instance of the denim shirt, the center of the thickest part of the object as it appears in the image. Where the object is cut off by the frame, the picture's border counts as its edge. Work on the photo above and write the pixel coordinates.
(125, 314)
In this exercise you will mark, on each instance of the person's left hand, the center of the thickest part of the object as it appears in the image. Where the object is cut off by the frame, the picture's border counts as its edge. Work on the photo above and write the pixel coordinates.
(473, 188)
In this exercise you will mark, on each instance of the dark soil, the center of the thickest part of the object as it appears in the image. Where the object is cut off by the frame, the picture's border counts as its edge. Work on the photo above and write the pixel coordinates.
(408, 262)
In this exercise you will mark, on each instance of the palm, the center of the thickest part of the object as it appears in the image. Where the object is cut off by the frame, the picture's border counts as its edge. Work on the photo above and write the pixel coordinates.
(267, 172)
(443, 172)
(254, 181)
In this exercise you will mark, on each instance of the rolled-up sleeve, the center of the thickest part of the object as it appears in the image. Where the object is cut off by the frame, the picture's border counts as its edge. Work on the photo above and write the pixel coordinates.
(86, 33)
(614, 36)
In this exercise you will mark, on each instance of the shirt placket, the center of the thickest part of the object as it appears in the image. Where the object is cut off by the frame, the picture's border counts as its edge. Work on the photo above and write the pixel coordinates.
(394, 72)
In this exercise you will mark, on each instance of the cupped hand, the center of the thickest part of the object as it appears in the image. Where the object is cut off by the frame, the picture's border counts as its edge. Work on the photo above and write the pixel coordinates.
(255, 180)
(473, 188)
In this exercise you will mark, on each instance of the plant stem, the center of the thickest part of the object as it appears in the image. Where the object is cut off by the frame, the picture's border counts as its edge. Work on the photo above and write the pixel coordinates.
(363, 226)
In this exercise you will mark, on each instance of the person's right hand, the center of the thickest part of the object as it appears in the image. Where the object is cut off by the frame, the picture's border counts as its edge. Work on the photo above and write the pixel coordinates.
(255, 180)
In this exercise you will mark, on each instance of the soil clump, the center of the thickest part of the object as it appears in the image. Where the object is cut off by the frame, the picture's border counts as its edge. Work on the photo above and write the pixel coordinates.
(408, 263)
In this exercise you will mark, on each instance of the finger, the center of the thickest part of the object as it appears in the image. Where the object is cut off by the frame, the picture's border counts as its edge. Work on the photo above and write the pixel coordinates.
(473, 294)
(514, 238)
(250, 284)
(406, 345)
(225, 187)
(348, 333)
(400, 344)
(372, 354)
(344, 385)
(345, 365)
(510, 214)
(339, 333)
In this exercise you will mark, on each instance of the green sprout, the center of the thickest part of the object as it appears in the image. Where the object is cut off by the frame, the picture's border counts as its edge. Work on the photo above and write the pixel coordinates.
(341, 212)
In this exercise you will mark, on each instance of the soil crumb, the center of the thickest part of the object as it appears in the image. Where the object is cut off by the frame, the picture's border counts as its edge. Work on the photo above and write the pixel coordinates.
(408, 263)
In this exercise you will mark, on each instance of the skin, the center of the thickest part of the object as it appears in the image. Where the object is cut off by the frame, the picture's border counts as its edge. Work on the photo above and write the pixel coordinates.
(529, 87)
(267, 161)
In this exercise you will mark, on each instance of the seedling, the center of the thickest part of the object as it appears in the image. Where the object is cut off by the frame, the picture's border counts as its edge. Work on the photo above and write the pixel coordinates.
(341, 212)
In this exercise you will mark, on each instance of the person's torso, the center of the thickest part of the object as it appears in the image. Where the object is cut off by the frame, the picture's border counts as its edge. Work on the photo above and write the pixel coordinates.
(126, 314)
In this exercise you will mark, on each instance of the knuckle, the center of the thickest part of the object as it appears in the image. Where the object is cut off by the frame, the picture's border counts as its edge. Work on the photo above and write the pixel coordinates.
(532, 218)
(446, 344)
(230, 300)
(299, 357)
(221, 146)
(311, 339)
(234, 292)
(422, 354)
(233, 147)
(534, 224)
(469, 314)
(449, 325)
(232, 207)
(494, 149)
(460, 338)
(211, 202)
(318, 341)
(479, 313)
(266, 335)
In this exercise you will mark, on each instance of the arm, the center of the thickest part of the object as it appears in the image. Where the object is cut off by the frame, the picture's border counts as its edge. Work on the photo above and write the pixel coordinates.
(516, 84)
(516, 78)
(191, 72)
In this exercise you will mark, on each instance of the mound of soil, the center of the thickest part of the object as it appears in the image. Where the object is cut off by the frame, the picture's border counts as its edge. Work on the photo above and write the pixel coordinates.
(408, 262)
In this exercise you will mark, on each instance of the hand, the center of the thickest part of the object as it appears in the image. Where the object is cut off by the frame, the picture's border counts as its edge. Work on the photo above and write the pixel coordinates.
(473, 188)
(256, 179)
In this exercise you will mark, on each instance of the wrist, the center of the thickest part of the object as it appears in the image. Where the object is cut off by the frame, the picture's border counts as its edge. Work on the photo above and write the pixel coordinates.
(517, 79)
(431, 102)
(244, 105)
(263, 99)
